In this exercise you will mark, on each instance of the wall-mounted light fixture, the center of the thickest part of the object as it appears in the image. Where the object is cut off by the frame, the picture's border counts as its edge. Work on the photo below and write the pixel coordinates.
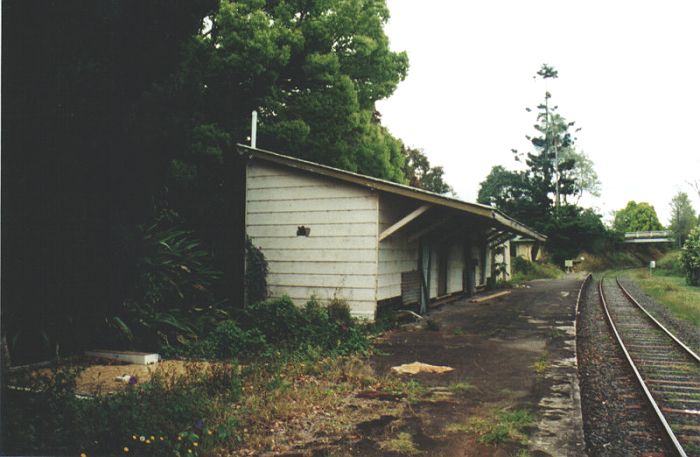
(303, 231)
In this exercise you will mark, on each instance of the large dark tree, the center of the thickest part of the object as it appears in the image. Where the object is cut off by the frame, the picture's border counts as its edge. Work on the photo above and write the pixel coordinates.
(116, 118)
(79, 165)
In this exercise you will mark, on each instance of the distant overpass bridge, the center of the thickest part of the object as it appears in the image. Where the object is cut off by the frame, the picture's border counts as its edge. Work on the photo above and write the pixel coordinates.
(653, 236)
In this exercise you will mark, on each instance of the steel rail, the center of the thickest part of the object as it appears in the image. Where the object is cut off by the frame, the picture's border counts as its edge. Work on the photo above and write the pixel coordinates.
(658, 324)
(647, 392)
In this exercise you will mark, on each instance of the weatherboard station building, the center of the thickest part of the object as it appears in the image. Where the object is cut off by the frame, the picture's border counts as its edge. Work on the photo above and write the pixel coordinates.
(331, 233)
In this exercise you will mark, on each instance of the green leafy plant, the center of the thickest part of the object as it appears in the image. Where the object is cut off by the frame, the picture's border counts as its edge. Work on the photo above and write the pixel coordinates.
(171, 301)
(255, 273)
(541, 365)
(690, 257)
(172, 414)
(497, 428)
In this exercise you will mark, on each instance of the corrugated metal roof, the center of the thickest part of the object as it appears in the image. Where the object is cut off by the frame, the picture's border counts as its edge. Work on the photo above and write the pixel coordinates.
(495, 216)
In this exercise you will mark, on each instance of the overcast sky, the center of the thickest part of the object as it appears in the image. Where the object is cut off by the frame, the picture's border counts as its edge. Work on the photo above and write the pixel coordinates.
(629, 76)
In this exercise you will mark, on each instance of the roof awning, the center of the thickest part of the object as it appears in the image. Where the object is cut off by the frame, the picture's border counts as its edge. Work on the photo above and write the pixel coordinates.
(482, 214)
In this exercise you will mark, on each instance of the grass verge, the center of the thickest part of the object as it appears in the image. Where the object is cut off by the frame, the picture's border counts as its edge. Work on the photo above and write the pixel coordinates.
(682, 300)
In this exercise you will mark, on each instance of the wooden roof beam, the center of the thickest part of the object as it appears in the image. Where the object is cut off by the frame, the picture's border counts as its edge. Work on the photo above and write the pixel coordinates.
(413, 215)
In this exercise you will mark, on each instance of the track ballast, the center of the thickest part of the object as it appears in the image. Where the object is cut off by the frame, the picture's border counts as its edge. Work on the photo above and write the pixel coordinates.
(666, 369)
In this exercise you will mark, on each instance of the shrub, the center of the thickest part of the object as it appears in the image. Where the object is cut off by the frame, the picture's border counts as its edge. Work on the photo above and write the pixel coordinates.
(255, 273)
(278, 319)
(671, 264)
(171, 294)
(690, 257)
(522, 266)
(524, 270)
(279, 326)
(175, 410)
(227, 341)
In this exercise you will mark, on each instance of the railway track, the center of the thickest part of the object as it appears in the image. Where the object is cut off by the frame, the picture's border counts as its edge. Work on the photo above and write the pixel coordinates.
(666, 369)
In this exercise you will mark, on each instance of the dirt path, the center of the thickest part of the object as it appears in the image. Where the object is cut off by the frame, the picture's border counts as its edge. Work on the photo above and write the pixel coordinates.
(513, 356)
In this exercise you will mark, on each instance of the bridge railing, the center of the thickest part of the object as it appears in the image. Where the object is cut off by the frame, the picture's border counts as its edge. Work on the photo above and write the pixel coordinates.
(648, 234)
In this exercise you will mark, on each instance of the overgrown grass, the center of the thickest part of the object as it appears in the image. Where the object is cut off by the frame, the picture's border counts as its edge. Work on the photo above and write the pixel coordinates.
(222, 407)
(523, 270)
(461, 387)
(297, 362)
(626, 256)
(682, 300)
(497, 427)
(402, 444)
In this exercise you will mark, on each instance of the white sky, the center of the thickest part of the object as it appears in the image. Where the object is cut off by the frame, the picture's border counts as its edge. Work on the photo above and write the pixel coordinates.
(629, 75)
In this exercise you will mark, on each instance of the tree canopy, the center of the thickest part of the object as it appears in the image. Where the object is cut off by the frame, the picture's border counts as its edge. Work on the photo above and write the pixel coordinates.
(637, 217)
(544, 195)
(550, 173)
(419, 173)
(117, 116)
(683, 217)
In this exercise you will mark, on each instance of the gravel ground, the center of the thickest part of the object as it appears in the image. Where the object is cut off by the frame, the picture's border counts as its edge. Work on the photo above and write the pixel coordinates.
(685, 331)
(616, 418)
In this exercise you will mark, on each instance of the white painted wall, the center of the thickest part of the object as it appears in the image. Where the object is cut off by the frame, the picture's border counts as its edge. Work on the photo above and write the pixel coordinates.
(455, 268)
(500, 257)
(337, 259)
(476, 254)
(396, 254)
(434, 259)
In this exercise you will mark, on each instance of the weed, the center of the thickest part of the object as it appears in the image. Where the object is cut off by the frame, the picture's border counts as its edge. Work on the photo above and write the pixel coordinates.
(432, 325)
(541, 365)
(461, 387)
(507, 393)
(458, 331)
(457, 427)
(524, 270)
(402, 444)
(496, 428)
(555, 333)
(412, 390)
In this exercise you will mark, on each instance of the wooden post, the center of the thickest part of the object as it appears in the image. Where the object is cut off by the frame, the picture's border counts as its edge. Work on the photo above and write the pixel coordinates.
(424, 260)
(234, 226)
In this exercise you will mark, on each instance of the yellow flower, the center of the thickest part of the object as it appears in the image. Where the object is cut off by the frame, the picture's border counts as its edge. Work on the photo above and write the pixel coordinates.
(190, 451)
(162, 438)
(82, 454)
(153, 438)
(133, 437)
(195, 444)
(148, 441)
(126, 449)
(179, 438)
(209, 432)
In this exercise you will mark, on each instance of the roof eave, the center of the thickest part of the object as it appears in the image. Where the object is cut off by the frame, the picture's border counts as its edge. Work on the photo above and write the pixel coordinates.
(393, 188)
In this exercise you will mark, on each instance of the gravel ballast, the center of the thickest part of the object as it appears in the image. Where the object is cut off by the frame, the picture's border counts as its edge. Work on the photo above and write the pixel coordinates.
(616, 418)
